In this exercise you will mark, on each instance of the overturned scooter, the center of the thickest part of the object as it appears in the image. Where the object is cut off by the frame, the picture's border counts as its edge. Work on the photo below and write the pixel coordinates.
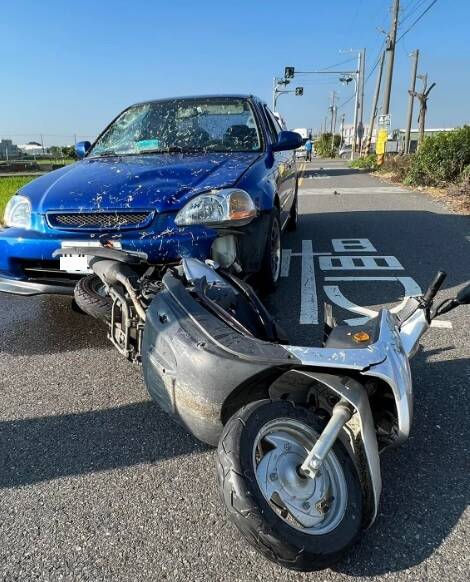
(299, 429)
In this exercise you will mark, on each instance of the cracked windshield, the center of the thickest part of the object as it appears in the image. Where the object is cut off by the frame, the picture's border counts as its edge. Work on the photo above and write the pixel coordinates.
(181, 126)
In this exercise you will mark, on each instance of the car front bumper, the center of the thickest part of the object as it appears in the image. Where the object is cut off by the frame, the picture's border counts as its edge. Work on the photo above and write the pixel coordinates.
(27, 265)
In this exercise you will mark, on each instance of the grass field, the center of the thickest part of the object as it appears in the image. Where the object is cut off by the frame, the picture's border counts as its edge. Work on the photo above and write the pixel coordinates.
(8, 187)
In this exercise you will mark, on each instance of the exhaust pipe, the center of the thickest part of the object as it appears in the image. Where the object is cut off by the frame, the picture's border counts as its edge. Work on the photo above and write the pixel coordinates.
(112, 272)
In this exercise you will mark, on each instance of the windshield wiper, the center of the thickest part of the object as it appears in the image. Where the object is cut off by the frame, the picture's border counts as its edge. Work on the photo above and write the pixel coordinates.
(105, 154)
(170, 150)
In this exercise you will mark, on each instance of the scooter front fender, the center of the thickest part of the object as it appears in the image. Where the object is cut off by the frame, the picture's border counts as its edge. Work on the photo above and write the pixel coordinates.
(355, 394)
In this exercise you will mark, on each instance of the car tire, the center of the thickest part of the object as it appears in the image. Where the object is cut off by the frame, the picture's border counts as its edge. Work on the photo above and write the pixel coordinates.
(90, 298)
(268, 276)
(294, 211)
(256, 518)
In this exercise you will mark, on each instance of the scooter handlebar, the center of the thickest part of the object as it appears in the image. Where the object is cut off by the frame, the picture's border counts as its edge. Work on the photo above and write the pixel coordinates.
(434, 287)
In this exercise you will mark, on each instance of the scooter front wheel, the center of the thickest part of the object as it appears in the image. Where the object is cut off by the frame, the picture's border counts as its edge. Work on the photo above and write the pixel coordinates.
(301, 523)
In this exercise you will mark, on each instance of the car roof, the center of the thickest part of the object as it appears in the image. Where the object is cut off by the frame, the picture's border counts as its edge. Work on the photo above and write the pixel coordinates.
(243, 96)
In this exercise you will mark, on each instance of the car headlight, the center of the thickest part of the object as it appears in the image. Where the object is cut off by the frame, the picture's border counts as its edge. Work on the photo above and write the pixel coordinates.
(228, 207)
(18, 212)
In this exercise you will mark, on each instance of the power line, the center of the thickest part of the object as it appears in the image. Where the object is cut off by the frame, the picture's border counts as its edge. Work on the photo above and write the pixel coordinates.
(412, 9)
(417, 20)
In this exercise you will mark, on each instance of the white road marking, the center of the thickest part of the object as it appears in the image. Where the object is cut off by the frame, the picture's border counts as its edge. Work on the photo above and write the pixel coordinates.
(441, 324)
(317, 176)
(410, 287)
(308, 297)
(358, 263)
(285, 262)
(349, 245)
(360, 190)
(334, 294)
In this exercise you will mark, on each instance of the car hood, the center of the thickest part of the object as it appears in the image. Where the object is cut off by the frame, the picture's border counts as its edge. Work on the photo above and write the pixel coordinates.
(160, 182)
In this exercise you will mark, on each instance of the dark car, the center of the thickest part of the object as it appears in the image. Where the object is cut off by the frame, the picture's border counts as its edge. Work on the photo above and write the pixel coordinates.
(206, 177)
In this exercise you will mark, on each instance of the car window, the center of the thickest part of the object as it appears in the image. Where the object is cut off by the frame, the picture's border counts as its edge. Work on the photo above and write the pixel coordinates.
(271, 125)
(275, 120)
(218, 125)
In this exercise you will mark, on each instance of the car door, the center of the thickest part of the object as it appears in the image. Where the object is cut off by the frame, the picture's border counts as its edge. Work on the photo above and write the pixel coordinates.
(284, 169)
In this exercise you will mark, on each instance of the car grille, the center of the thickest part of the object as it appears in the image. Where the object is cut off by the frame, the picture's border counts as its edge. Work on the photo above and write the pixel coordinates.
(98, 220)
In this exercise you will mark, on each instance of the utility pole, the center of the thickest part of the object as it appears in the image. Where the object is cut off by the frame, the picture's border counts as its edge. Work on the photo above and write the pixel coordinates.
(333, 110)
(390, 50)
(341, 128)
(411, 98)
(423, 101)
(375, 101)
(356, 104)
(361, 96)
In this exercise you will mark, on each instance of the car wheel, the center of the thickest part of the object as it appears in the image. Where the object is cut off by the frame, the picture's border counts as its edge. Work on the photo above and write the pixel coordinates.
(268, 275)
(90, 296)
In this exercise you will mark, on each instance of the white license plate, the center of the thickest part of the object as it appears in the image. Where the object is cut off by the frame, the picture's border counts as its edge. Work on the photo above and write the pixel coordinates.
(78, 263)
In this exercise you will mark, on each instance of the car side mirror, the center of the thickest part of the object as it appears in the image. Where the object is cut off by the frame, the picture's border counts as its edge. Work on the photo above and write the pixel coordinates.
(82, 148)
(287, 140)
(463, 296)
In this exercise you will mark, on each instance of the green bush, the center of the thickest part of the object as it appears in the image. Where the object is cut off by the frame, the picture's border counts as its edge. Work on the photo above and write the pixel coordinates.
(441, 158)
(366, 163)
(323, 145)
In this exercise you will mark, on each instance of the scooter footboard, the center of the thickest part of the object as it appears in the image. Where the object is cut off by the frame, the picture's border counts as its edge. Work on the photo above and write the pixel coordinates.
(352, 391)
(193, 362)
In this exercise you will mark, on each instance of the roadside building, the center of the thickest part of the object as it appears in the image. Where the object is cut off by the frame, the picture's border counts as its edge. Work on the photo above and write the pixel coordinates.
(348, 133)
(33, 148)
(414, 136)
(8, 150)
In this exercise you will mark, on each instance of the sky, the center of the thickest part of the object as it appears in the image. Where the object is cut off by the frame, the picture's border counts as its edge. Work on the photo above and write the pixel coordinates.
(70, 67)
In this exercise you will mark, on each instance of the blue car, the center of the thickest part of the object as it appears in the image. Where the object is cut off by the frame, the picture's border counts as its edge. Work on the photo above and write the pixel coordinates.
(206, 177)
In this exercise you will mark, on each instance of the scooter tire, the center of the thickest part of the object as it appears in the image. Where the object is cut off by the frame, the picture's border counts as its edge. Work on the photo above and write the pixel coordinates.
(251, 513)
(90, 299)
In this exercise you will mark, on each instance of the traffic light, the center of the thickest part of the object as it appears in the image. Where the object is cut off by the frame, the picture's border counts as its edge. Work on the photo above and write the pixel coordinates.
(299, 91)
(289, 72)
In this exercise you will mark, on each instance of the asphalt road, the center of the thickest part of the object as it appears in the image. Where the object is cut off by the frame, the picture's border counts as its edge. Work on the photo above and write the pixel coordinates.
(98, 484)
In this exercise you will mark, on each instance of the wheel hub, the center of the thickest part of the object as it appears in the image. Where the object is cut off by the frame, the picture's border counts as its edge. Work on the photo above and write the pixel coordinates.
(316, 505)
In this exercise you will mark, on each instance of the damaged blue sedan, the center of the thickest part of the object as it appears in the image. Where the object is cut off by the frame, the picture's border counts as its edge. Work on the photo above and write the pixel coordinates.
(210, 177)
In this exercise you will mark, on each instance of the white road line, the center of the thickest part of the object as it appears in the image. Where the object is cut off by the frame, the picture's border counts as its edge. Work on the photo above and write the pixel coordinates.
(334, 294)
(441, 324)
(342, 191)
(359, 263)
(410, 287)
(318, 177)
(349, 245)
(285, 262)
(308, 297)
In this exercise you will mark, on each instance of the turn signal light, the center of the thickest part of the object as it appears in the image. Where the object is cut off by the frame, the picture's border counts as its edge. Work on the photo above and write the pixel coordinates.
(361, 336)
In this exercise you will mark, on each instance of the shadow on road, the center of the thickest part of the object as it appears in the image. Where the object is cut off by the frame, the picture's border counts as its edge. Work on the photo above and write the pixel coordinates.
(40, 449)
(331, 172)
(46, 324)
